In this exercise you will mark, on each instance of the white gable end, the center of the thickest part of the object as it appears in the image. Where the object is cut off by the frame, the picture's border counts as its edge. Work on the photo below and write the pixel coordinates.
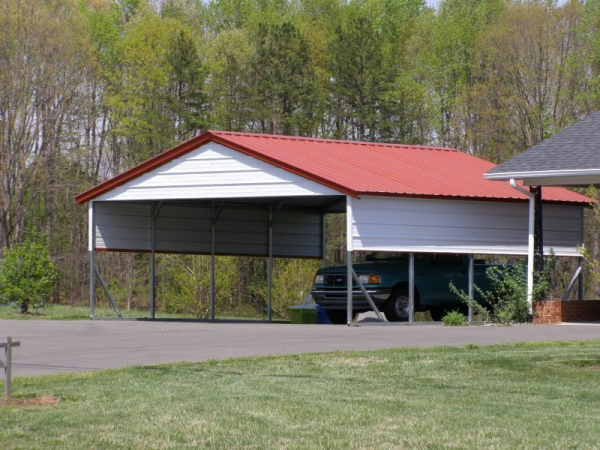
(216, 171)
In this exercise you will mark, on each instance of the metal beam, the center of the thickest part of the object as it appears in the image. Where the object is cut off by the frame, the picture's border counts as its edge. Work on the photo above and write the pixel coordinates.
(368, 297)
(214, 216)
(155, 211)
(538, 231)
(349, 248)
(108, 294)
(574, 279)
(270, 268)
(411, 287)
(471, 286)
(580, 284)
(323, 241)
(349, 315)
(92, 245)
(531, 243)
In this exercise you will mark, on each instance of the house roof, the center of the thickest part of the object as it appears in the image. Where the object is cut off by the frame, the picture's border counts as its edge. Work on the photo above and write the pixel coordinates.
(355, 168)
(573, 151)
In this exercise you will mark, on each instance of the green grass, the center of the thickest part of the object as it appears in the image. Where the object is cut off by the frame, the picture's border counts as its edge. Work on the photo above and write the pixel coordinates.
(521, 396)
(67, 312)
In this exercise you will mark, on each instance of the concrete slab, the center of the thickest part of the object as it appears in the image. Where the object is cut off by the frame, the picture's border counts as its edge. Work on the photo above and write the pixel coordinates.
(77, 346)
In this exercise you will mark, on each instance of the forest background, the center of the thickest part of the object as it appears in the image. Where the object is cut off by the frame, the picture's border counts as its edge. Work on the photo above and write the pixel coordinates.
(89, 88)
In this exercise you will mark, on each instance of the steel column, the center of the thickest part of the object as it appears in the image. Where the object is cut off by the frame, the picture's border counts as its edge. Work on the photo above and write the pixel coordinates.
(92, 246)
(213, 235)
(349, 248)
(153, 263)
(270, 267)
(411, 287)
(323, 240)
(580, 284)
(538, 232)
(471, 286)
(349, 315)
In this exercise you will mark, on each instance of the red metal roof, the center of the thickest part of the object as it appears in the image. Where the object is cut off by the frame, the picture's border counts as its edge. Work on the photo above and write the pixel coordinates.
(357, 168)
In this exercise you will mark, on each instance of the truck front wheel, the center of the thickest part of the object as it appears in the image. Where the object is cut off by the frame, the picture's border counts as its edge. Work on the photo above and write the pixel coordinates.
(396, 307)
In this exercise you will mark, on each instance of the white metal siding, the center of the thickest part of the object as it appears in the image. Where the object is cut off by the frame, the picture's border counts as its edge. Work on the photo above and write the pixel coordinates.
(187, 229)
(215, 171)
(425, 225)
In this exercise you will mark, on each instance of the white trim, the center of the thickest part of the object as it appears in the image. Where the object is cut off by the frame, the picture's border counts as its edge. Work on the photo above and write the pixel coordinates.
(541, 173)
(349, 224)
(531, 242)
(91, 226)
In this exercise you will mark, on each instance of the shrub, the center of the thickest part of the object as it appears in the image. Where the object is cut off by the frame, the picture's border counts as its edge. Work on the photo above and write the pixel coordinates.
(507, 302)
(454, 319)
(27, 275)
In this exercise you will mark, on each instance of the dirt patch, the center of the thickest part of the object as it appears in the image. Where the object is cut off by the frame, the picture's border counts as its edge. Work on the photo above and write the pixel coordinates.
(594, 367)
(36, 401)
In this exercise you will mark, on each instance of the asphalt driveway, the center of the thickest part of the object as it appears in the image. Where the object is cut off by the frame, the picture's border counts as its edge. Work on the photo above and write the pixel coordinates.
(77, 346)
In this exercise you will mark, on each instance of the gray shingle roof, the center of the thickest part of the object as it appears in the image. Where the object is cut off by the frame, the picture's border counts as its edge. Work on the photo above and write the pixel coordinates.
(574, 148)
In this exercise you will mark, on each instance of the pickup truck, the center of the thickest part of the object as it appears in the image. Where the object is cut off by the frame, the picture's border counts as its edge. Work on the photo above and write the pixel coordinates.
(385, 277)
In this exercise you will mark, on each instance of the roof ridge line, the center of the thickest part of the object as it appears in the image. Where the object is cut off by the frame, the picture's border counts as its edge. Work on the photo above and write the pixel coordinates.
(327, 140)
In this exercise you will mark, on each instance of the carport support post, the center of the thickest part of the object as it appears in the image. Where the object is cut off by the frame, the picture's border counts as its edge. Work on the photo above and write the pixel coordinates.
(349, 246)
(349, 316)
(92, 245)
(212, 261)
(471, 286)
(270, 267)
(411, 287)
(153, 264)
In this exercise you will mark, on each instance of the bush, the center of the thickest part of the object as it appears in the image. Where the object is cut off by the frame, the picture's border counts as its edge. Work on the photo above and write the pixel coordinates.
(507, 302)
(454, 319)
(27, 275)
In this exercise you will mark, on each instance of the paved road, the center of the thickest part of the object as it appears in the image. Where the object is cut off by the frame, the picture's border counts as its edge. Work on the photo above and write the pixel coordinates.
(75, 346)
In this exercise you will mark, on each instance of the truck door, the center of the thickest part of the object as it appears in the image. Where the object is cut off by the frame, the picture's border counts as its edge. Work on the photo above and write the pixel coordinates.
(444, 268)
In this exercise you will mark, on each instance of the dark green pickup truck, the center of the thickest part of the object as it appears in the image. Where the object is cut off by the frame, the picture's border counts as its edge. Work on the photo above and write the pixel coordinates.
(385, 277)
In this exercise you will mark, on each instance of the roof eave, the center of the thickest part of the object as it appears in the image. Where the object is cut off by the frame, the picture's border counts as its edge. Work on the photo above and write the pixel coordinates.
(187, 146)
(505, 176)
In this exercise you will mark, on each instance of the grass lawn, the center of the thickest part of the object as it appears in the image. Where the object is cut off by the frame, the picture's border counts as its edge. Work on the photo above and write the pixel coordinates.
(67, 312)
(521, 396)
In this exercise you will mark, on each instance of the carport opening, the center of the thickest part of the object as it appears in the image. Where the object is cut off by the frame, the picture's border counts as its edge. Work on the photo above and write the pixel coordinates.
(240, 286)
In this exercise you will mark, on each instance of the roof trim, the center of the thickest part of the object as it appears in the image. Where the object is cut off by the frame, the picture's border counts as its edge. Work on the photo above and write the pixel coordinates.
(541, 174)
(188, 146)
(472, 198)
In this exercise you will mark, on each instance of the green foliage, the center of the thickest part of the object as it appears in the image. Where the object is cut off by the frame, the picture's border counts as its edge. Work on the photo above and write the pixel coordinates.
(454, 319)
(507, 302)
(187, 287)
(27, 275)
(284, 79)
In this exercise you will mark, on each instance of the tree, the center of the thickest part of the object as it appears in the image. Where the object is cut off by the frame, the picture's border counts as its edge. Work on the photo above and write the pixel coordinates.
(284, 80)
(27, 275)
(229, 86)
(530, 78)
(42, 48)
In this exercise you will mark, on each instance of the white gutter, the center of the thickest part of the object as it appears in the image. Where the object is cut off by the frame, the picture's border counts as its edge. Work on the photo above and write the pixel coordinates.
(530, 249)
(542, 174)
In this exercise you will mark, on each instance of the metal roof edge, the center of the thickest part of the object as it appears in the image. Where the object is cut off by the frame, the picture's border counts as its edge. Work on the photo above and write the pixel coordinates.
(189, 145)
(475, 199)
(539, 174)
(144, 167)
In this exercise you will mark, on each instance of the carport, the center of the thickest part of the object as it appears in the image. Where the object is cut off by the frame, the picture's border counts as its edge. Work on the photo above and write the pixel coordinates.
(570, 158)
(228, 193)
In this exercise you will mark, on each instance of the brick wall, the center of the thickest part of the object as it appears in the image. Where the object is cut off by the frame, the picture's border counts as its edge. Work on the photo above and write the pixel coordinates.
(556, 311)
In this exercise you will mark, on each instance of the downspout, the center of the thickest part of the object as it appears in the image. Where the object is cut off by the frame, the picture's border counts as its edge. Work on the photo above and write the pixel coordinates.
(530, 249)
